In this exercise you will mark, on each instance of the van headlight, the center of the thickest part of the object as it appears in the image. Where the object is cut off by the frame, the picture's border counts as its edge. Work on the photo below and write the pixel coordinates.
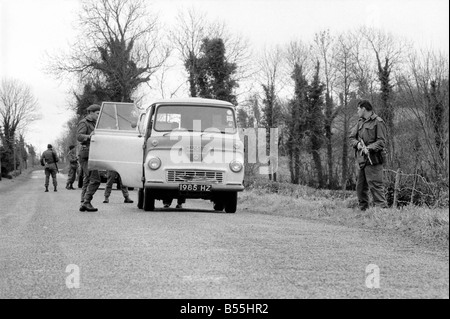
(236, 166)
(154, 163)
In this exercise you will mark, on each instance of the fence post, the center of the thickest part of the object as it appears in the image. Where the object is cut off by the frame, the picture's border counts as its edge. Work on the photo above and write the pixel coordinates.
(411, 202)
(397, 182)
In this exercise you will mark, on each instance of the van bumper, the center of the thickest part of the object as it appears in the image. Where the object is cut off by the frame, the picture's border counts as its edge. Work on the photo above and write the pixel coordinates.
(230, 187)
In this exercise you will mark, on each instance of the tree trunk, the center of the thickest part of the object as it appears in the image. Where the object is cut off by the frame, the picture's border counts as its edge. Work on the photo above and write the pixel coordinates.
(396, 186)
(318, 165)
(329, 156)
(345, 154)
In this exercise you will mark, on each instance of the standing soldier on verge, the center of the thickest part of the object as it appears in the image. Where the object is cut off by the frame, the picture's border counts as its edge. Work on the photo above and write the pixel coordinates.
(49, 160)
(73, 162)
(110, 177)
(368, 139)
(91, 179)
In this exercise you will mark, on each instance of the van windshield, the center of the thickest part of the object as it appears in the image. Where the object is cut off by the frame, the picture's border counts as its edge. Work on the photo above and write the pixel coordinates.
(195, 119)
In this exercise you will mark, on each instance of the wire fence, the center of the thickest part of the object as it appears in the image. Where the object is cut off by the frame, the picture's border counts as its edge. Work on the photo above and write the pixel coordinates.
(414, 189)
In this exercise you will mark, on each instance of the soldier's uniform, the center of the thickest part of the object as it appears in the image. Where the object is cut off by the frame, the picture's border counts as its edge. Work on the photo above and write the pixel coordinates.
(110, 177)
(91, 179)
(372, 131)
(49, 158)
(73, 161)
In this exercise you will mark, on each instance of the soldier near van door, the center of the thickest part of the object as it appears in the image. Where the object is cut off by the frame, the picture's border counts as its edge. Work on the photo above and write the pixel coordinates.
(49, 159)
(91, 179)
(73, 162)
(110, 177)
(369, 139)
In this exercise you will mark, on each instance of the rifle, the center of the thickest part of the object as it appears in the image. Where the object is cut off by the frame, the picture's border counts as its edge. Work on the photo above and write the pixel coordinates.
(365, 147)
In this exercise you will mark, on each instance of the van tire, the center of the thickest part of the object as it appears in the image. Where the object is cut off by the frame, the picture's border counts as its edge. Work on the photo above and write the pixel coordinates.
(140, 203)
(149, 201)
(218, 206)
(231, 203)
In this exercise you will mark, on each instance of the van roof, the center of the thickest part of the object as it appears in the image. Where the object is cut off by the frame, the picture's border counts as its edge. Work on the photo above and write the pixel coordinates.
(193, 100)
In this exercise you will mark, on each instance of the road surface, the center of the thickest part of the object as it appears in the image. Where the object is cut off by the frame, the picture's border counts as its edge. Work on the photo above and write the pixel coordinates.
(48, 249)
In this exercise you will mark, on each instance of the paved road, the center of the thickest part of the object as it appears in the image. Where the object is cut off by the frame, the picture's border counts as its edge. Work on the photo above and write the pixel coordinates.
(48, 249)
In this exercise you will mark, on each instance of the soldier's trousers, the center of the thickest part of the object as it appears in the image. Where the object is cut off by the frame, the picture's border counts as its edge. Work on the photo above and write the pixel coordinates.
(72, 174)
(370, 178)
(110, 177)
(91, 182)
(52, 172)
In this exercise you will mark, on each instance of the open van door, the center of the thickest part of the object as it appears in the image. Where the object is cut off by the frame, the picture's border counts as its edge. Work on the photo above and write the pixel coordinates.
(117, 142)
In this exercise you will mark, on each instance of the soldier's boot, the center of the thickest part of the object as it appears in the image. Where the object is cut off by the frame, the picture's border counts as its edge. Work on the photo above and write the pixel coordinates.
(46, 188)
(87, 207)
(128, 200)
(71, 186)
(106, 201)
(54, 189)
(67, 186)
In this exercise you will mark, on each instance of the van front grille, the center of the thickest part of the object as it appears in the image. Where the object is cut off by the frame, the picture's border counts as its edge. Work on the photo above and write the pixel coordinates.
(194, 176)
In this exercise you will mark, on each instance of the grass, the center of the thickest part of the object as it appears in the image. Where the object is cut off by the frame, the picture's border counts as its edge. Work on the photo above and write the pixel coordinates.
(340, 207)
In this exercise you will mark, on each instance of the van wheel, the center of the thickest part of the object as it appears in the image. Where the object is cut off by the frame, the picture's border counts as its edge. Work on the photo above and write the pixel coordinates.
(231, 203)
(218, 206)
(149, 201)
(140, 203)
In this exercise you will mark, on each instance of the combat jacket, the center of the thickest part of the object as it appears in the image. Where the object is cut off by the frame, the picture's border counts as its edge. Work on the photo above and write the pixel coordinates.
(84, 129)
(372, 132)
(72, 158)
(50, 159)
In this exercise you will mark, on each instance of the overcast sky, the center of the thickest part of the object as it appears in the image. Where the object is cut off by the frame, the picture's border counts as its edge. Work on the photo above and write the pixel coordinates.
(29, 28)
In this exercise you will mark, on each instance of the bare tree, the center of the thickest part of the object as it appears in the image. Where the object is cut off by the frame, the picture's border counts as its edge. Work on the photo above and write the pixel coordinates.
(345, 85)
(388, 53)
(119, 43)
(271, 67)
(363, 67)
(424, 90)
(324, 45)
(192, 28)
(18, 108)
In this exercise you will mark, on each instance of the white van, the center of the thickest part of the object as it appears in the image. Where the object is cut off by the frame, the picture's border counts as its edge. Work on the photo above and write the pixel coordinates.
(177, 148)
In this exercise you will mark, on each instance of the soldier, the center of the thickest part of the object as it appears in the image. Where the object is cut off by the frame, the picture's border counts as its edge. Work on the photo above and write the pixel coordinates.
(368, 139)
(49, 160)
(91, 179)
(110, 177)
(73, 162)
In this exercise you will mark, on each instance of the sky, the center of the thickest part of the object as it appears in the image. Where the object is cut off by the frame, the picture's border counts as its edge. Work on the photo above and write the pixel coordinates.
(29, 29)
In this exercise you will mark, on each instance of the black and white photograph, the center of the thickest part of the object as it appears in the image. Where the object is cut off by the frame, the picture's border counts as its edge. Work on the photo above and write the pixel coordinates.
(224, 158)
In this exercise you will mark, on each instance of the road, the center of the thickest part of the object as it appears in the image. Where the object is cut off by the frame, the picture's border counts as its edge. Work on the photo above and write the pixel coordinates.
(48, 249)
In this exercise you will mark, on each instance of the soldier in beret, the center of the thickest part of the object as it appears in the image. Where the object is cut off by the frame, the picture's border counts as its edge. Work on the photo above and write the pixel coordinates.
(368, 140)
(91, 179)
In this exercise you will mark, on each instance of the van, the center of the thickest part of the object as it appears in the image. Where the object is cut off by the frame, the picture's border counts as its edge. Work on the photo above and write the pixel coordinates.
(176, 148)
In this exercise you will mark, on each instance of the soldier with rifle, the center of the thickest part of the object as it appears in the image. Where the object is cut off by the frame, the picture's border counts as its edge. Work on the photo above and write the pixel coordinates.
(369, 139)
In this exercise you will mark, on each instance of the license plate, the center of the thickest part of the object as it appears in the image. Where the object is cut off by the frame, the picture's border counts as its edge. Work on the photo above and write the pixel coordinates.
(194, 188)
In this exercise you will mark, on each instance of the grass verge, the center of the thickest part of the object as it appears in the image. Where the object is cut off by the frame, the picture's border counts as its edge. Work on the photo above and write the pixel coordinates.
(422, 223)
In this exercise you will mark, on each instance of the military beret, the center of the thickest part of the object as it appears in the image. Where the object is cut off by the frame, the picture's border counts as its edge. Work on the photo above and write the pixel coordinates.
(93, 108)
